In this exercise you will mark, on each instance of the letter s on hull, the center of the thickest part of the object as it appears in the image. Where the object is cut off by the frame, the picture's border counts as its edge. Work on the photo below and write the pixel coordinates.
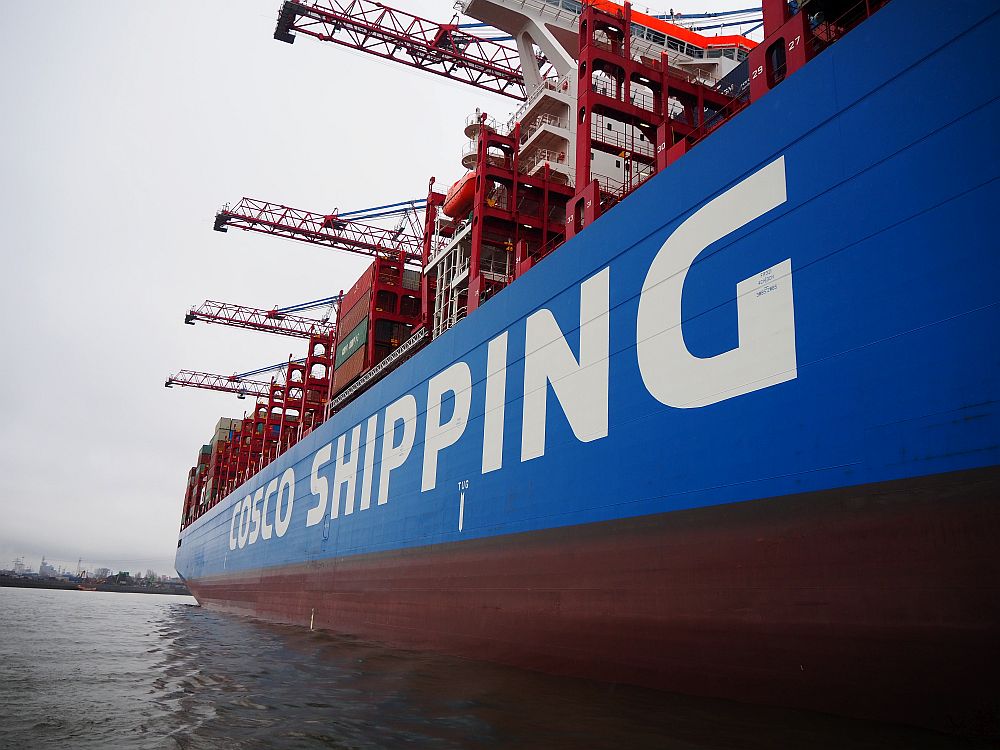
(766, 352)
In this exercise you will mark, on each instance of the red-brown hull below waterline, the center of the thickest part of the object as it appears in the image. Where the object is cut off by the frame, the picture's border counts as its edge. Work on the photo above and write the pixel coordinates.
(879, 601)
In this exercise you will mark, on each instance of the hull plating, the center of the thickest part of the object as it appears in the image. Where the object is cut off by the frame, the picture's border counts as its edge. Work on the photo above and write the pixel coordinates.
(815, 600)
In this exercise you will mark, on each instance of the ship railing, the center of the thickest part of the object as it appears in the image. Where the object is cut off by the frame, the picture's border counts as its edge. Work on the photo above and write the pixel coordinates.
(398, 355)
(537, 252)
(470, 155)
(618, 139)
(715, 120)
(561, 84)
(637, 98)
(610, 186)
(826, 31)
(544, 119)
(568, 9)
(700, 77)
(614, 190)
(618, 189)
(490, 123)
(539, 156)
(495, 268)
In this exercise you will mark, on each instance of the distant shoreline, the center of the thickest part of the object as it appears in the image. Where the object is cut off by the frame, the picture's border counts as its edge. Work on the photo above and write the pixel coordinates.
(171, 589)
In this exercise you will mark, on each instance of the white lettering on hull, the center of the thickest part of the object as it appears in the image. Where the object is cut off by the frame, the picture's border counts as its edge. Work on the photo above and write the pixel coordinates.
(766, 352)
(581, 387)
(438, 435)
(765, 356)
(347, 470)
(319, 486)
(394, 455)
(496, 398)
(369, 459)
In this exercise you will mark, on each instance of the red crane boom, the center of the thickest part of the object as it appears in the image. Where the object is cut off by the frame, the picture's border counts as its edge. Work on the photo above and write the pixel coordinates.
(223, 383)
(255, 319)
(319, 229)
(442, 49)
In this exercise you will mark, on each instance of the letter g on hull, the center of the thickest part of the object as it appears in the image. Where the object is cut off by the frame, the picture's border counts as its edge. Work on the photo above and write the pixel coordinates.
(765, 355)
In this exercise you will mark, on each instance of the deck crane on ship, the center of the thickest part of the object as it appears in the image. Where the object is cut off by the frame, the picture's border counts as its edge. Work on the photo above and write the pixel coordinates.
(241, 384)
(279, 320)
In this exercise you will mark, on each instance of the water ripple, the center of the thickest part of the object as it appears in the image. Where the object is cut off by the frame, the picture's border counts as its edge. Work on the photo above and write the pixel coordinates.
(104, 670)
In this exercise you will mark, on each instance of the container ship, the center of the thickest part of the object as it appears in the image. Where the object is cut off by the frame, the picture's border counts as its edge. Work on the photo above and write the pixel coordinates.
(691, 382)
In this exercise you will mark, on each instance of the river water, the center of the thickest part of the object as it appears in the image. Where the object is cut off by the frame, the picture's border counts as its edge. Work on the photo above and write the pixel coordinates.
(107, 670)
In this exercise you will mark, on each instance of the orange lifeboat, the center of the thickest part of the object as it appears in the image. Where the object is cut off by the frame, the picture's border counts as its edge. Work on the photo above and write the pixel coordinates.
(460, 195)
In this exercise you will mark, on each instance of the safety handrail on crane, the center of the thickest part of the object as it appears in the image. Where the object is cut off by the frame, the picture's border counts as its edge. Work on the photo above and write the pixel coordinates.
(255, 319)
(328, 230)
(443, 49)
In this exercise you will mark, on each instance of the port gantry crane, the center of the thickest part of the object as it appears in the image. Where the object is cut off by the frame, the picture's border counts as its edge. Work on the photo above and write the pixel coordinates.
(241, 386)
(279, 320)
(308, 379)
(341, 231)
(286, 409)
(241, 383)
(444, 49)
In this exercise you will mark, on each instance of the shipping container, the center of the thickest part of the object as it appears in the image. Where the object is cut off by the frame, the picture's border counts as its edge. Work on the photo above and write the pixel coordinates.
(349, 369)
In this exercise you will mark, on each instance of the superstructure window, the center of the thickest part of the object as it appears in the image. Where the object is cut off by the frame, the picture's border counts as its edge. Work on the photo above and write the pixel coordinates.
(775, 63)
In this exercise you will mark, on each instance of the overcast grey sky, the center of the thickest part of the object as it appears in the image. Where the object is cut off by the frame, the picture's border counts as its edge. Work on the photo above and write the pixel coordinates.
(125, 127)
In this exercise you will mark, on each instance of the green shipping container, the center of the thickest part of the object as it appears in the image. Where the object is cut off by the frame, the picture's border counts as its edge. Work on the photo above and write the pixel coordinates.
(351, 343)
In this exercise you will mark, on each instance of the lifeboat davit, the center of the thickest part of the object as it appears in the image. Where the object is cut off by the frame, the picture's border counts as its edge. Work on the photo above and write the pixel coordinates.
(460, 195)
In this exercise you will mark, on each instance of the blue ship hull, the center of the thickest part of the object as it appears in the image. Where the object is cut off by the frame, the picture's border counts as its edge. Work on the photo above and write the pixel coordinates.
(740, 437)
